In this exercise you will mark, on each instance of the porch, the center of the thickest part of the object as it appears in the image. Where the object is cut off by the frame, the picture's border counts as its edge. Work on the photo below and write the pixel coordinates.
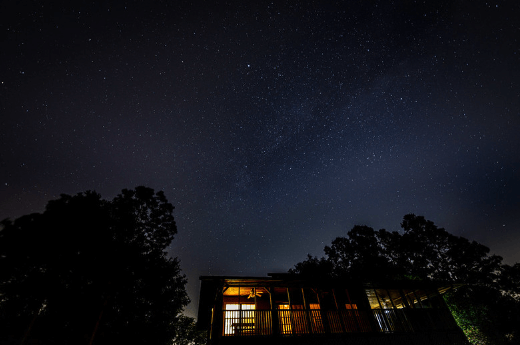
(295, 322)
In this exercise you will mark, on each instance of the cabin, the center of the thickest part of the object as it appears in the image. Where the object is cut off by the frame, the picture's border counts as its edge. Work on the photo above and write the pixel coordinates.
(285, 309)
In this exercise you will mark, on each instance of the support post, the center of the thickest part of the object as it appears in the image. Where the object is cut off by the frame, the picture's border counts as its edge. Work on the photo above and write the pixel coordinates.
(274, 313)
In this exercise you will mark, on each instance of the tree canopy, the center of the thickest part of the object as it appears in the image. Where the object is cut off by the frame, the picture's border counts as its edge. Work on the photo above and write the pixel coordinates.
(487, 307)
(88, 270)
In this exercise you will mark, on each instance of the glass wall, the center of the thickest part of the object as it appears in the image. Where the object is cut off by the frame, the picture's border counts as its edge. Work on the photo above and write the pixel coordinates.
(403, 298)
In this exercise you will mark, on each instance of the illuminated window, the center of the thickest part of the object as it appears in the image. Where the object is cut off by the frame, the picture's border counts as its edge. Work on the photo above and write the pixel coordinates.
(315, 313)
(239, 319)
(295, 320)
(284, 315)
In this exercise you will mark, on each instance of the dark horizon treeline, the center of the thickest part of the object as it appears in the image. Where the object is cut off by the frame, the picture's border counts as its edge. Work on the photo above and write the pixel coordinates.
(93, 271)
(486, 307)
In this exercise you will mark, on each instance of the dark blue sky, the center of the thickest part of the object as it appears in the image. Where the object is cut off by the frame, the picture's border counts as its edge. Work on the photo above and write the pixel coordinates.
(272, 127)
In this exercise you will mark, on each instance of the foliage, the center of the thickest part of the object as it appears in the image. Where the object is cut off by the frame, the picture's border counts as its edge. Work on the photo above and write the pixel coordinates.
(314, 267)
(87, 268)
(486, 315)
(487, 308)
(187, 332)
(510, 280)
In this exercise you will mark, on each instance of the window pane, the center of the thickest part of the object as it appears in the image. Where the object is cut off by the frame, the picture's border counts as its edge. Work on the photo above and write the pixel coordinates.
(239, 318)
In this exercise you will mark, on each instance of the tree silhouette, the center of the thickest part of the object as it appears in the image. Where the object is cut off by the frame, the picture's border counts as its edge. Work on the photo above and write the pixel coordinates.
(487, 307)
(88, 270)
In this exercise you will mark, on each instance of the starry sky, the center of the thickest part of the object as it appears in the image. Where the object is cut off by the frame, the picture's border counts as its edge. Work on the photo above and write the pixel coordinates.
(273, 127)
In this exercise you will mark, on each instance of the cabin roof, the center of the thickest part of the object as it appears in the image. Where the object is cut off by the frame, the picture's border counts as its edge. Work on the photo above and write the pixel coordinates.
(287, 279)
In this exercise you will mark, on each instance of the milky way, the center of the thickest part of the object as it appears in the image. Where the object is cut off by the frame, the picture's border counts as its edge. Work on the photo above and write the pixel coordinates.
(272, 127)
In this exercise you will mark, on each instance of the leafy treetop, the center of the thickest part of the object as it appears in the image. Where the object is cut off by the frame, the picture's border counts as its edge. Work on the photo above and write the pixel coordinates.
(88, 268)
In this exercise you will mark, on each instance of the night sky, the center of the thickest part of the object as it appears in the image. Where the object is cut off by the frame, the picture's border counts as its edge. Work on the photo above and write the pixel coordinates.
(273, 127)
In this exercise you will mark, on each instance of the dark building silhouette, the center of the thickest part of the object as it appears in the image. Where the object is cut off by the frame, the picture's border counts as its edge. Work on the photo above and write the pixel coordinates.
(285, 309)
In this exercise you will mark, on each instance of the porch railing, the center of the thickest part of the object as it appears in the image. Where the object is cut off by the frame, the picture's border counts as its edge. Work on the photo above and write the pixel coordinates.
(247, 322)
(315, 321)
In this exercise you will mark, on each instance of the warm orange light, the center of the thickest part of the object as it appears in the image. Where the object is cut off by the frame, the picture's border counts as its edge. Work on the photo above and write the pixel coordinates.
(284, 315)
(237, 316)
